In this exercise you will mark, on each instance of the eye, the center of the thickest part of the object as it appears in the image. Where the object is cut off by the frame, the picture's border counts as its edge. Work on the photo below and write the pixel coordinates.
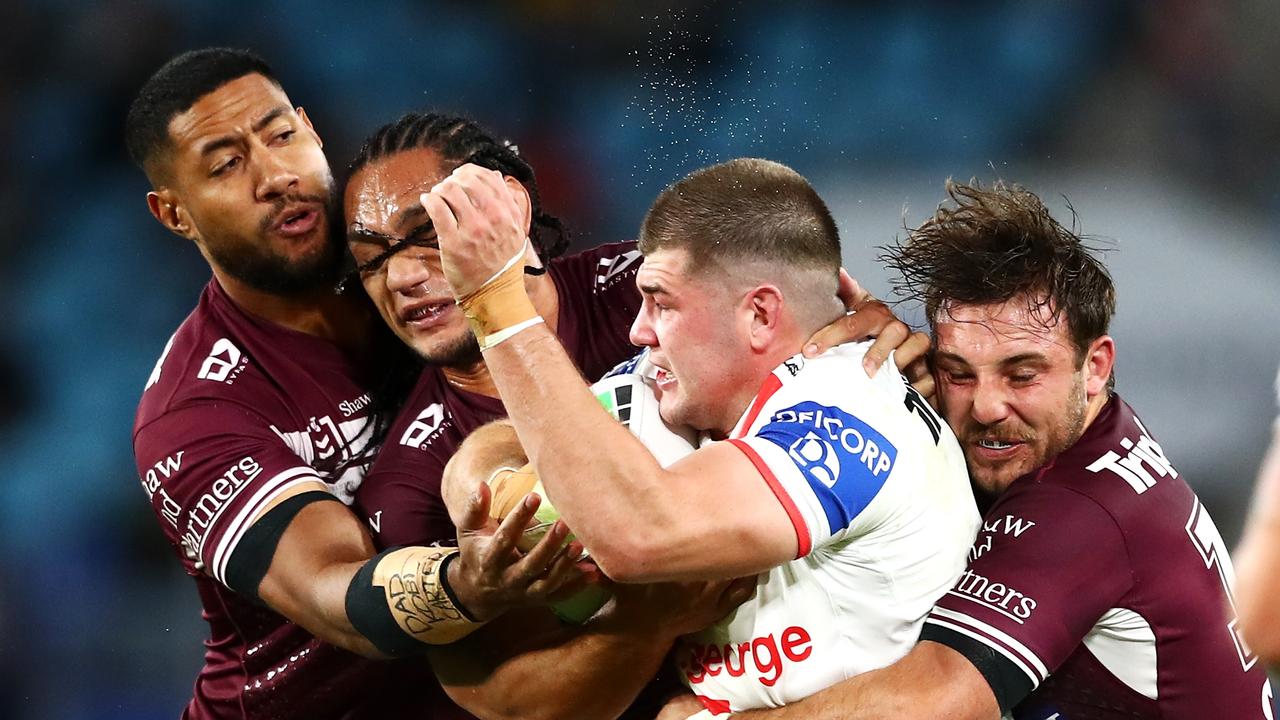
(1022, 378)
(957, 377)
(283, 136)
(229, 164)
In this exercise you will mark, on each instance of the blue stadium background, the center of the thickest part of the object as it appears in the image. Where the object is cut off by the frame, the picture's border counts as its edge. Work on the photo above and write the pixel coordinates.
(1157, 121)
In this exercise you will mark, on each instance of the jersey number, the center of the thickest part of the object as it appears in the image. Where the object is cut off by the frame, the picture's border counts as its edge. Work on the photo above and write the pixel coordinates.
(1208, 542)
(916, 403)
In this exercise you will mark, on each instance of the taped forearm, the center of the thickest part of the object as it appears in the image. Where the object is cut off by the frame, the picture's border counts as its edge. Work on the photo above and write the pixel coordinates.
(401, 601)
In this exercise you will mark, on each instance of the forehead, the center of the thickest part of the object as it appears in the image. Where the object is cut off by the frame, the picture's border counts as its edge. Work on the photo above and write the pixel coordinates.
(232, 108)
(982, 334)
(384, 195)
(665, 270)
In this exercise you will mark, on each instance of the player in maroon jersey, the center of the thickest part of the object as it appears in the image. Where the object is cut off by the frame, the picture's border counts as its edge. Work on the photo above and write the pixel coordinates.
(589, 298)
(255, 416)
(1258, 558)
(1098, 586)
(253, 423)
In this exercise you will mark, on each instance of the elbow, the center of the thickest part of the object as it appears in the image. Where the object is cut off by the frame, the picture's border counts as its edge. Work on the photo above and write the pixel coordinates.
(631, 557)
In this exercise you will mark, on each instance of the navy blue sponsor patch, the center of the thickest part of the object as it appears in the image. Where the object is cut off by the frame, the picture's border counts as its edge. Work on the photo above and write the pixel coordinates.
(845, 460)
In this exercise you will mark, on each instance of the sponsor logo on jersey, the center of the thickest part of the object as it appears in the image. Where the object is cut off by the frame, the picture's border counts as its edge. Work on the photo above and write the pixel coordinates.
(166, 469)
(209, 505)
(224, 364)
(764, 655)
(1143, 458)
(994, 596)
(835, 444)
(422, 431)
(610, 270)
(1009, 525)
(353, 406)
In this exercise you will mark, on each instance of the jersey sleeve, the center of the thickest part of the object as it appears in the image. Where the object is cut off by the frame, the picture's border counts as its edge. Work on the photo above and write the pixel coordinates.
(209, 469)
(1045, 567)
(401, 501)
(825, 465)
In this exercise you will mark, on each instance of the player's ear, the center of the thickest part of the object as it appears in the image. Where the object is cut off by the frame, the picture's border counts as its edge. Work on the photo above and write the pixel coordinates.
(306, 121)
(1099, 361)
(521, 195)
(166, 208)
(763, 307)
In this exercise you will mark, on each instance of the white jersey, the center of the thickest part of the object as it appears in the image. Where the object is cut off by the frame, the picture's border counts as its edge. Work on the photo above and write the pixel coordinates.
(876, 488)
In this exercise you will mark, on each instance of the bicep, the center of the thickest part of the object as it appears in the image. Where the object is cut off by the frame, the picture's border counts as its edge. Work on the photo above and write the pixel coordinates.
(726, 520)
(314, 560)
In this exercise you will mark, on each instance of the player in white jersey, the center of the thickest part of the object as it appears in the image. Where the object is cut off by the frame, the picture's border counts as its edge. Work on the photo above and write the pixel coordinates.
(814, 468)
(875, 485)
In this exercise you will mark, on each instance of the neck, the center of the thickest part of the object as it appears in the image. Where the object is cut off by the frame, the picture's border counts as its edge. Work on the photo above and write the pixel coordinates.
(475, 377)
(340, 319)
(1094, 408)
(758, 370)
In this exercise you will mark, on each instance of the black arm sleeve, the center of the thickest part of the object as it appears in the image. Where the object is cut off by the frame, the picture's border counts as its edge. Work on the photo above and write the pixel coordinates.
(251, 558)
(1009, 684)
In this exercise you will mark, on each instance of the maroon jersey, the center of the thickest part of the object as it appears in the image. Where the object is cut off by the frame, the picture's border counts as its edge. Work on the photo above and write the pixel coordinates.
(400, 497)
(237, 411)
(1100, 586)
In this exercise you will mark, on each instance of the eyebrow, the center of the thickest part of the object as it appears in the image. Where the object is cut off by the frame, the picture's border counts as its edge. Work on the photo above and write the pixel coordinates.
(1015, 360)
(228, 140)
(408, 214)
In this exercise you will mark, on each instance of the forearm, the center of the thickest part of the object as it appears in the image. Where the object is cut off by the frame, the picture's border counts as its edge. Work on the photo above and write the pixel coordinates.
(529, 665)
(602, 480)
(932, 681)
(1257, 562)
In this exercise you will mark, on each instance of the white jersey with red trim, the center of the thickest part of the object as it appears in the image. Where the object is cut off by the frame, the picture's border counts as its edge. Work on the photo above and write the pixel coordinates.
(876, 487)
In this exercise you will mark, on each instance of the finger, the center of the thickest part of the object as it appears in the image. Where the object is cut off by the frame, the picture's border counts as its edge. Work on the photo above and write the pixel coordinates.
(475, 516)
(926, 386)
(893, 335)
(738, 592)
(911, 354)
(454, 193)
(509, 531)
(850, 292)
(477, 183)
(844, 329)
(442, 218)
(545, 552)
(562, 574)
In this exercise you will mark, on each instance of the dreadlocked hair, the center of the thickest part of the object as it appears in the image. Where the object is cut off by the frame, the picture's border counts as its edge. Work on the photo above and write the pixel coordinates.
(988, 246)
(460, 140)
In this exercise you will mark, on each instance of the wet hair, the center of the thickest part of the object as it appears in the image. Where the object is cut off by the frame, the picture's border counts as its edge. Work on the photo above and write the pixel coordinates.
(174, 88)
(990, 245)
(459, 140)
(744, 209)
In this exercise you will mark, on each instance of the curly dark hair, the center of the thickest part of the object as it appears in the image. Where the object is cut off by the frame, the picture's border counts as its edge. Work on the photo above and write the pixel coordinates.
(461, 140)
(988, 245)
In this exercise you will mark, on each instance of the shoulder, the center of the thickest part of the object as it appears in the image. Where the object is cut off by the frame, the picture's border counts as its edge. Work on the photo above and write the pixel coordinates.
(1116, 461)
(202, 362)
(600, 270)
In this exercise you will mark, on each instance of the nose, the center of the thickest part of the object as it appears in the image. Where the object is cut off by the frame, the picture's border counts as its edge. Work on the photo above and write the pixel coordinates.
(407, 270)
(642, 334)
(989, 403)
(275, 176)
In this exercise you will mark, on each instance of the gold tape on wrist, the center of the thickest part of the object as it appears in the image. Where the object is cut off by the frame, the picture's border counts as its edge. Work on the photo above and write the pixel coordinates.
(422, 608)
(509, 486)
(498, 304)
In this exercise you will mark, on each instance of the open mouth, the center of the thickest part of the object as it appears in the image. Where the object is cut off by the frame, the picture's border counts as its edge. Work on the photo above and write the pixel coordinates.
(995, 444)
(426, 314)
(297, 221)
